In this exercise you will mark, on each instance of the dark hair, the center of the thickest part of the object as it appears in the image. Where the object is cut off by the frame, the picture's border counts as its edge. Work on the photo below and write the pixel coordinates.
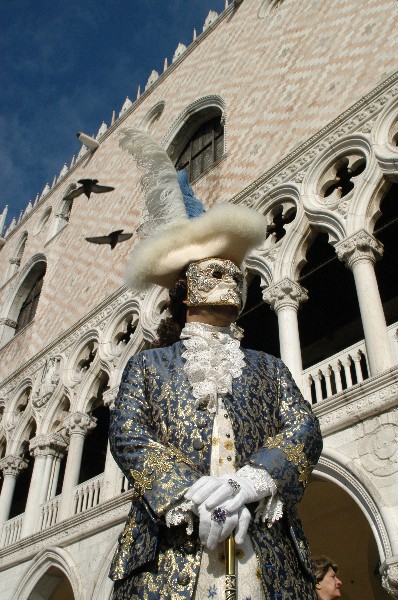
(170, 328)
(321, 565)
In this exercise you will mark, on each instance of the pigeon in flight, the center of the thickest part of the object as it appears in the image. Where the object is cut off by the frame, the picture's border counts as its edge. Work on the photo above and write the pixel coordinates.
(112, 238)
(88, 187)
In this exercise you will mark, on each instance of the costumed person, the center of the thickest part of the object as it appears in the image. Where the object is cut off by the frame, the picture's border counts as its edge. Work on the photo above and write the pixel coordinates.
(215, 439)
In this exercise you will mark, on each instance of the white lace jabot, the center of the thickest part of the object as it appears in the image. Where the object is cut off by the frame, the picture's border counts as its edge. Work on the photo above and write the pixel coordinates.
(212, 359)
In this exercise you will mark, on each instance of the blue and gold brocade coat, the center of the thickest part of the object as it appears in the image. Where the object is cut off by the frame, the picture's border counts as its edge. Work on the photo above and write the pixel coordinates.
(154, 433)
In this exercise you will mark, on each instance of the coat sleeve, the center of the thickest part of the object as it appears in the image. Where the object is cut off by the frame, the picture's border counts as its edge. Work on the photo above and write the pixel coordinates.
(290, 455)
(160, 473)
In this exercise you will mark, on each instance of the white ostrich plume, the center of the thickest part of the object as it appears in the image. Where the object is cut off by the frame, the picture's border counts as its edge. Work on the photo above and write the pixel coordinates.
(163, 199)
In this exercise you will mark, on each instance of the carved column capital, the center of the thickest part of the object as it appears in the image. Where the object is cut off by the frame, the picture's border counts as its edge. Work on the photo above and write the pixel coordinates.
(359, 247)
(285, 293)
(109, 396)
(79, 423)
(45, 445)
(12, 465)
(390, 579)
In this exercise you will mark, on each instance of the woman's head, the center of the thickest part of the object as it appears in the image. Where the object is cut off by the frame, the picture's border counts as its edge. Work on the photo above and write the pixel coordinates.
(327, 583)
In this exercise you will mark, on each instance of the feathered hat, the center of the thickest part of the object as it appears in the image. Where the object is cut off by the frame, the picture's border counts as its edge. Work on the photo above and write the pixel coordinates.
(178, 229)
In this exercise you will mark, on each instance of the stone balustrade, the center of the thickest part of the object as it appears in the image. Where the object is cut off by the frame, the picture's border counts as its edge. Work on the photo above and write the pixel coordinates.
(49, 513)
(342, 370)
(87, 494)
(12, 531)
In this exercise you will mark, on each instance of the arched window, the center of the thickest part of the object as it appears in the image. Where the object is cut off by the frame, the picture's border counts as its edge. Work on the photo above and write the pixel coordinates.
(22, 307)
(204, 148)
(29, 305)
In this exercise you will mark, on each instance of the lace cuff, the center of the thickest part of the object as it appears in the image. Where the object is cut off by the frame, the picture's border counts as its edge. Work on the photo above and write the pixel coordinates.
(181, 513)
(270, 507)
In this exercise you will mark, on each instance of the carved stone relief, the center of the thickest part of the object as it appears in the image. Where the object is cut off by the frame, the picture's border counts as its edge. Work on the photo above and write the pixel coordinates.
(378, 451)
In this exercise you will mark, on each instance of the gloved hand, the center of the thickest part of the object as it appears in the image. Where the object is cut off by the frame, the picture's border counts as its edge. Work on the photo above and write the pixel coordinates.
(233, 492)
(216, 525)
(202, 489)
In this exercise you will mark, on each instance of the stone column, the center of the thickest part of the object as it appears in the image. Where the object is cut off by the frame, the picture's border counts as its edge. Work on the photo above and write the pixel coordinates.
(285, 298)
(77, 425)
(42, 449)
(57, 446)
(11, 467)
(360, 252)
(111, 472)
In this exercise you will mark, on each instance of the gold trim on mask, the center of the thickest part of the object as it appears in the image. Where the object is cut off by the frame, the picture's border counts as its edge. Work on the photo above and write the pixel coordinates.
(218, 283)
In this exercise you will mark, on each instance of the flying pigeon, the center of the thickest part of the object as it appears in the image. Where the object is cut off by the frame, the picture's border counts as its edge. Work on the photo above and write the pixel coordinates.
(88, 187)
(112, 238)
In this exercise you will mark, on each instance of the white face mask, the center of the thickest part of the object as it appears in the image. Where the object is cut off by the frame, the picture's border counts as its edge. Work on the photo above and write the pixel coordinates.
(214, 281)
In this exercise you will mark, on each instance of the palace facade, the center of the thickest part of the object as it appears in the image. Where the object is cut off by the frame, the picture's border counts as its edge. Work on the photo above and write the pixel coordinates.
(289, 107)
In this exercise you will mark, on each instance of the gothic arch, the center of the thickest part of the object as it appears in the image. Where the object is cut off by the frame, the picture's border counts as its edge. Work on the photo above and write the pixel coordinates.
(17, 294)
(342, 471)
(287, 255)
(43, 222)
(339, 215)
(122, 338)
(92, 386)
(23, 433)
(19, 424)
(52, 557)
(112, 339)
(153, 115)
(75, 372)
(191, 118)
(62, 212)
(57, 410)
(151, 311)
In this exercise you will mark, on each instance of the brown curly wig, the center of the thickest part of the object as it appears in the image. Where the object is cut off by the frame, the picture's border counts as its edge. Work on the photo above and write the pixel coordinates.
(170, 328)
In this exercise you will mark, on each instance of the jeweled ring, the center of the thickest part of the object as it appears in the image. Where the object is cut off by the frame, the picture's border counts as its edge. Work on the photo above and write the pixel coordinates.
(234, 485)
(219, 515)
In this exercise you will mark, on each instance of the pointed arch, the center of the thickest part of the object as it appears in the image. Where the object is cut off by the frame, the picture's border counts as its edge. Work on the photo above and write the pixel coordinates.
(342, 471)
(57, 558)
(196, 140)
(21, 303)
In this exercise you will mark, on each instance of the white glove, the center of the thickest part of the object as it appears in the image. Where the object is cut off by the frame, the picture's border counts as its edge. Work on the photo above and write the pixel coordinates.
(202, 489)
(234, 492)
(216, 525)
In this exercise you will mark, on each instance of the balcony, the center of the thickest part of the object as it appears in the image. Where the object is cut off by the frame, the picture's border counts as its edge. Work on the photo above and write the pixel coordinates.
(341, 371)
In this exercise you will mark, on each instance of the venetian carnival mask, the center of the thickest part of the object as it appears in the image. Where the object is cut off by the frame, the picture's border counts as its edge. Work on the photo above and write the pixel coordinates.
(214, 281)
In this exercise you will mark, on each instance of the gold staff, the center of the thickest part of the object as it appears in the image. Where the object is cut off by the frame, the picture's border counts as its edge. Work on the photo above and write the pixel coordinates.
(230, 577)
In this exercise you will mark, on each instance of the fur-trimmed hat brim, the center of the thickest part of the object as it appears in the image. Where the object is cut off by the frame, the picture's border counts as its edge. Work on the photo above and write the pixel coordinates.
(225, 231)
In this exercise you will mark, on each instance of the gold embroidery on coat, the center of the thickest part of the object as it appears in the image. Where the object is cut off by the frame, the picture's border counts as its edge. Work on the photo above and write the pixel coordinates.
(294, 453)
(143, 480)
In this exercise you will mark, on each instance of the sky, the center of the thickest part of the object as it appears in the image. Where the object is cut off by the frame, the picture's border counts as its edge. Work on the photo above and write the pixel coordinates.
(66, 66)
